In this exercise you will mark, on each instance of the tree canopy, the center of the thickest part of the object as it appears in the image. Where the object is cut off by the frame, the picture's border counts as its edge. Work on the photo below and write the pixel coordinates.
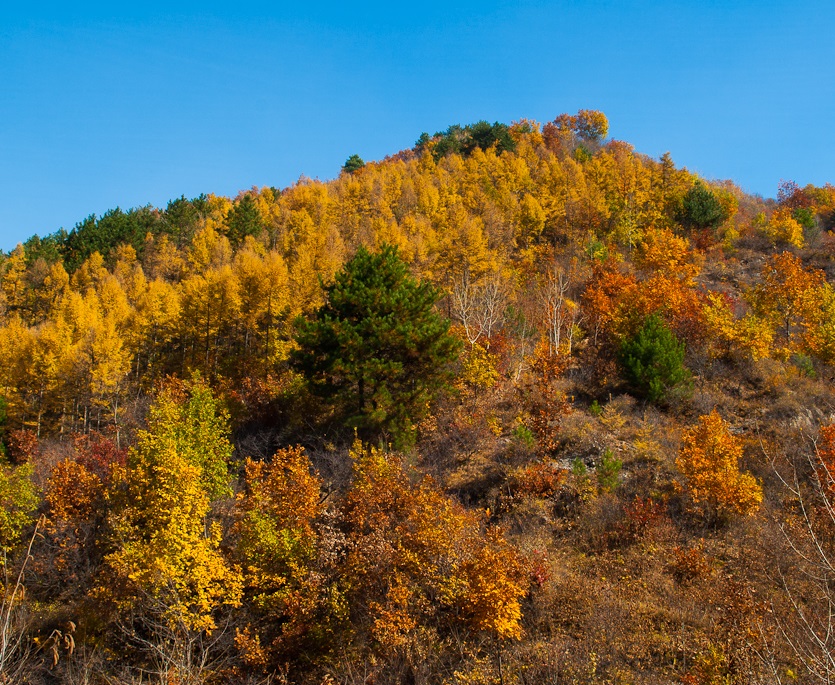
(653, 360)
(377, 348)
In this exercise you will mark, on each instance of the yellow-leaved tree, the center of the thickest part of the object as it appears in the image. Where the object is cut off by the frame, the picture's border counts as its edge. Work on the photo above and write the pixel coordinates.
(166, 571)
(709, 459)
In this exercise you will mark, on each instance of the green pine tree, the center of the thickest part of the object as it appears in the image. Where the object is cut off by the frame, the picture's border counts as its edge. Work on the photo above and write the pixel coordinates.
(377, 349)
(653, 361)
(701, 209)
(353, 163)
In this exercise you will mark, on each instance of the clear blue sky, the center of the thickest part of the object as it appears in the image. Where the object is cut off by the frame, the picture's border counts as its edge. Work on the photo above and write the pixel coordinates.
(105, 106)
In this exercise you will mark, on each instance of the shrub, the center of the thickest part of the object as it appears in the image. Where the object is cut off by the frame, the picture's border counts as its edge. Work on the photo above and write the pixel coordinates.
(653, 361)
(608, 472)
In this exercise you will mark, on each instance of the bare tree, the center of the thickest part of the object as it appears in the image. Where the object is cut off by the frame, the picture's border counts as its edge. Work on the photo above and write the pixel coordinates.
(560, 313)
(15, 649)
(480, 306)
(173, 651)
(809, 629)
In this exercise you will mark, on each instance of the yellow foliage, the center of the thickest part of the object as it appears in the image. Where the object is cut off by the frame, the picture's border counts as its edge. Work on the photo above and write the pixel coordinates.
(166, 551)
(479, 368)
(12, 282)
(818, 336)
(394, 618)
(751, 334)
(494, 588)
(782, 227)
(662, 250)
(790, 296)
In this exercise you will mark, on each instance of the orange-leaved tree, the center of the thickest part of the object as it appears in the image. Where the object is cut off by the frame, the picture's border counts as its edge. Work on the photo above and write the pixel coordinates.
(277, 546)
(709, 459)
(785, 293)
(825, 464)
(416, 558)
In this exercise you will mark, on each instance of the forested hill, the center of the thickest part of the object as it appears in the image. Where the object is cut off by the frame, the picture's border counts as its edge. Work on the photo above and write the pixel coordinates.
(517, 405)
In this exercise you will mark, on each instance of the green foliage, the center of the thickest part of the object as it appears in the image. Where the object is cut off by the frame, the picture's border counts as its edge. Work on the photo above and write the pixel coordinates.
(423, 140)
(608, 471)
(182, 217)
(578, 468)
(803, 363)
(198, 426)
(595, 409)
(597, 251)
(523, 435)
(353, 163)
(653, 361)
(582, 154)
(48, 249)
(244, 219)
(102, 234)
(805, 216)
(465, 140)
(18, 500)
(700, 208)
(377, 349)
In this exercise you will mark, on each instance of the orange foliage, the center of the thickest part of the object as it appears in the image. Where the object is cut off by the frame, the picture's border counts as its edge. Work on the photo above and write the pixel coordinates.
(277, 546)
(825, 466)
(663, 251)
(72, 493)
(544, 401)
(617, 304)
(414, 555)
(782, 295)
(709, 459)
(609, 286)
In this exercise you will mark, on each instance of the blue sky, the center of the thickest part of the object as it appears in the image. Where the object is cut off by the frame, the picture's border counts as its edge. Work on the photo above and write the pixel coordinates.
(106, 106)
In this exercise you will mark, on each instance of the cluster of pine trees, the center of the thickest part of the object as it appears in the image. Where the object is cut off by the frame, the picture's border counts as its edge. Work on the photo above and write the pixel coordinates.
(519, 404)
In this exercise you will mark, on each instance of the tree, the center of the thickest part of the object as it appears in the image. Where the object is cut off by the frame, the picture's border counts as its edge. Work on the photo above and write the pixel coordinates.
(416, 557)
(18, 500)
(353, 163)
(465, 140)
(377, 349)
(653, 360)
(660, 250)
(784, 228)
(588, 125)
(701, 208)
(709, 459)
(809, 626)
(166, 557)
(244, 219)
(785, 292)
(482, 135)
(277, 546)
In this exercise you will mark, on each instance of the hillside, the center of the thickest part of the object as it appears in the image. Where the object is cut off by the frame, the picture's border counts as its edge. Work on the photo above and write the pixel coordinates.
(517, 405)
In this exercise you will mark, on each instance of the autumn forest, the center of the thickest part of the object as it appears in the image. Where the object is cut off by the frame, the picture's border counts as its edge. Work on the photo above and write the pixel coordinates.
(518, 405)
